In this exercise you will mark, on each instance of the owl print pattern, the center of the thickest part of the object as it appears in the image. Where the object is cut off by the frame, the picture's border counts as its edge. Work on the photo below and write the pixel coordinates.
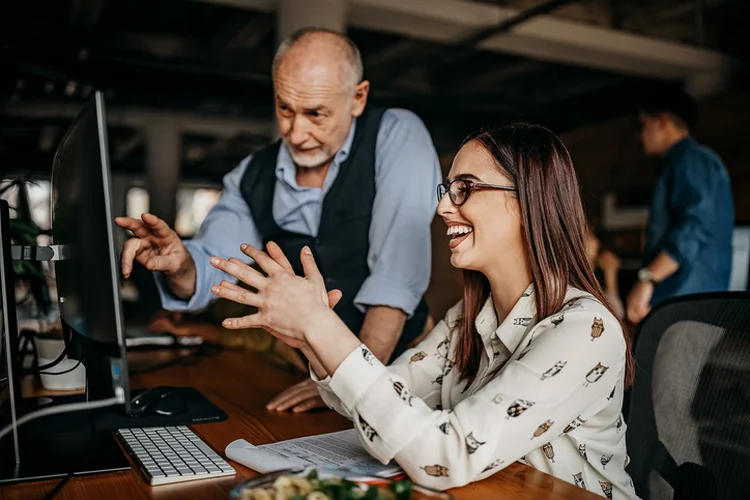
(556, 368)
(402, 392)
(436, 470)
(472, 443)
(574, 424)
(367, 429)
(522, 321)
(549, 452)
(597, 328)
(418, 357)
(596, 373)
(518, 407)
(368, 356)
(543, 427)
(571, 365)
(493, 465)
(578, 478)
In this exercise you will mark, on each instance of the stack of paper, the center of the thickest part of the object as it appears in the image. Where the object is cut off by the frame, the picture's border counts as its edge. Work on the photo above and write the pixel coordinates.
(335, 450)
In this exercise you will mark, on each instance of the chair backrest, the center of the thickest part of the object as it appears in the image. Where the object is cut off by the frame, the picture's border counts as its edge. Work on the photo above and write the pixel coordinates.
(689, 411)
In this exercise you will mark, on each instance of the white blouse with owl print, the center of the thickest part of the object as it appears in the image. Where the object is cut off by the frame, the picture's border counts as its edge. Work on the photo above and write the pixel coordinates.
(555, 403)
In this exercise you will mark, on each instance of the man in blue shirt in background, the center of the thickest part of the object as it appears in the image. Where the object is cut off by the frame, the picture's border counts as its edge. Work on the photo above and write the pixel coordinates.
(353, 182)
(691, 220)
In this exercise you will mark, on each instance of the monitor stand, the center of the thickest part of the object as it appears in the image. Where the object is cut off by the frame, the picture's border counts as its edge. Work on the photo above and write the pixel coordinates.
(58, 445)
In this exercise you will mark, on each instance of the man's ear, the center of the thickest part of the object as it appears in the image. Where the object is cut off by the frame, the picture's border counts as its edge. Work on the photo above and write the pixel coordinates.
(359, 100)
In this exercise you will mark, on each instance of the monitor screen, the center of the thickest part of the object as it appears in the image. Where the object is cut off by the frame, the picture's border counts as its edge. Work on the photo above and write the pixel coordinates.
(88, 273)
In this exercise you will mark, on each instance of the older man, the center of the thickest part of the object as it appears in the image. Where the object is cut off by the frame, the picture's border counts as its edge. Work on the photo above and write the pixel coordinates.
(353, 182)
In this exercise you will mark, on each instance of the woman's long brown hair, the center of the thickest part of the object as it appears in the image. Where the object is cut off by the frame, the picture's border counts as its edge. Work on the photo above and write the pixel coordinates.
(537, 162)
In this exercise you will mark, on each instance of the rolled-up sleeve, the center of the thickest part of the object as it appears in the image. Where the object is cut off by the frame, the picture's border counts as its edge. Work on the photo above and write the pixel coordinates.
(483, 433)
(692, 205)
(226, 227)
(406, 174)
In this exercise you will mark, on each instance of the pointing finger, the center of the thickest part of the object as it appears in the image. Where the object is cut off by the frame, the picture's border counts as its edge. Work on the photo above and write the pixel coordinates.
(134, 225)
(158, 226)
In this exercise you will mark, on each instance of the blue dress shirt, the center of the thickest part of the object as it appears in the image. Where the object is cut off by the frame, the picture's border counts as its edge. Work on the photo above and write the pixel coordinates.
(406, 173)
(692, 220)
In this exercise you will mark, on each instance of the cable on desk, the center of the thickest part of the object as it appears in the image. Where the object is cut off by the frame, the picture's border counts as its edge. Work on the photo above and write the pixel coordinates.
(24, 340)
(119, 398)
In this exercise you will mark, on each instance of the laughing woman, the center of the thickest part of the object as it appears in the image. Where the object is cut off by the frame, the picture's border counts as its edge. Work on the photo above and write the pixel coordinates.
(530, 366)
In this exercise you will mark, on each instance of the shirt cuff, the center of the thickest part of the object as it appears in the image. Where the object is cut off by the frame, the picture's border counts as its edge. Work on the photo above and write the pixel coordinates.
(675, 253)
(321, 382)
(200, 299)
(380, 290)
(355, 375)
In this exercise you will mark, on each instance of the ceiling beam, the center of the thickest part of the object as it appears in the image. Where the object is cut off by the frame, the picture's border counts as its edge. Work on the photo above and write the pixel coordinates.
(436, 57)
(220, 126)
(544, 38)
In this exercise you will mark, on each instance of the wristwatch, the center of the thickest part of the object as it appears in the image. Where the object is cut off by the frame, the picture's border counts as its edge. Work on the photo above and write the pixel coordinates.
(645, 274)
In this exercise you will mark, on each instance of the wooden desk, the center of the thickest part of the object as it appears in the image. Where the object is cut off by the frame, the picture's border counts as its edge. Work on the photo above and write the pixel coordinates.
(241, 383)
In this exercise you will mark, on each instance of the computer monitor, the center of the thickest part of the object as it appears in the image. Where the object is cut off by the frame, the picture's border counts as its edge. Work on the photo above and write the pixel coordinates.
(87, 273)
(88, 286)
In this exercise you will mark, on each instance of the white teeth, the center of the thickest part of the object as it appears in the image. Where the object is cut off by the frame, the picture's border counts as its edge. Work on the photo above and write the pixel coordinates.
(458, 230)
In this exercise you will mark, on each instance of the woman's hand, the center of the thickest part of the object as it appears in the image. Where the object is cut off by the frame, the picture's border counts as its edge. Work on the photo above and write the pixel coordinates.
(286, 303)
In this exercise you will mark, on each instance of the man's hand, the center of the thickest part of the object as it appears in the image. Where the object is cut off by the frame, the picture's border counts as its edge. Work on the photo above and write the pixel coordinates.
(158, 248)
(300, 398)
(639, 301)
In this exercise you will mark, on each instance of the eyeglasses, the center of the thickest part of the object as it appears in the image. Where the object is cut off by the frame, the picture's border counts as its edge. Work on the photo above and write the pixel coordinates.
(460, 190)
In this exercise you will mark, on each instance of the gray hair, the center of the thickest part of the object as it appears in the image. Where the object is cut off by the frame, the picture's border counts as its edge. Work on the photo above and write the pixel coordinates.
(350, 52)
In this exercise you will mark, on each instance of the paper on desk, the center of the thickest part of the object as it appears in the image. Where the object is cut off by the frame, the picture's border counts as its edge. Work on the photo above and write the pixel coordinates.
(338, 449)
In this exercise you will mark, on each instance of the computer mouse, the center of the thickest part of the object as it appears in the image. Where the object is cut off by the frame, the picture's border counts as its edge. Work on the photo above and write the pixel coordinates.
(159, 400)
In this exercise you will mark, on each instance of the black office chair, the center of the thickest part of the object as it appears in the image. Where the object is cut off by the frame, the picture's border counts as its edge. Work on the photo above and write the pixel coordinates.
(689, 416)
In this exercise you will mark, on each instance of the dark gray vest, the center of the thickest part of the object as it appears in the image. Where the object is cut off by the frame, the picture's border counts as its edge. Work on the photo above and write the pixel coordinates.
(343, 240)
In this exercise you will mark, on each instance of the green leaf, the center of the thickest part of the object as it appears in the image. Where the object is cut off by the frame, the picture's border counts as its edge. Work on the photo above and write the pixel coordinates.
(402, 489)
(372, 493)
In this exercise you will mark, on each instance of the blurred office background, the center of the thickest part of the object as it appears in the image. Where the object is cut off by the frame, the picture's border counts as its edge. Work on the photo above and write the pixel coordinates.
(189, 94)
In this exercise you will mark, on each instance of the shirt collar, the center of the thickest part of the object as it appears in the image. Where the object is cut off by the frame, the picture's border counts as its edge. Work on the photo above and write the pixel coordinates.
(286, 170)
(511, 331)
(521, 319)
(679, 148)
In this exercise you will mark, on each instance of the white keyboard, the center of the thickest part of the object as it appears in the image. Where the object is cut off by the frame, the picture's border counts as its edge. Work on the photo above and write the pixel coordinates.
(173, 454)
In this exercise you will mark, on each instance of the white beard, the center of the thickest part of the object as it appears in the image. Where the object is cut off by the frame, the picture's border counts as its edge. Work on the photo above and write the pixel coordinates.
(309, 161)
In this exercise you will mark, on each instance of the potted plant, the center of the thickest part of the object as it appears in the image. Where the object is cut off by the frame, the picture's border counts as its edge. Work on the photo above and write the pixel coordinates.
(24, 231)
